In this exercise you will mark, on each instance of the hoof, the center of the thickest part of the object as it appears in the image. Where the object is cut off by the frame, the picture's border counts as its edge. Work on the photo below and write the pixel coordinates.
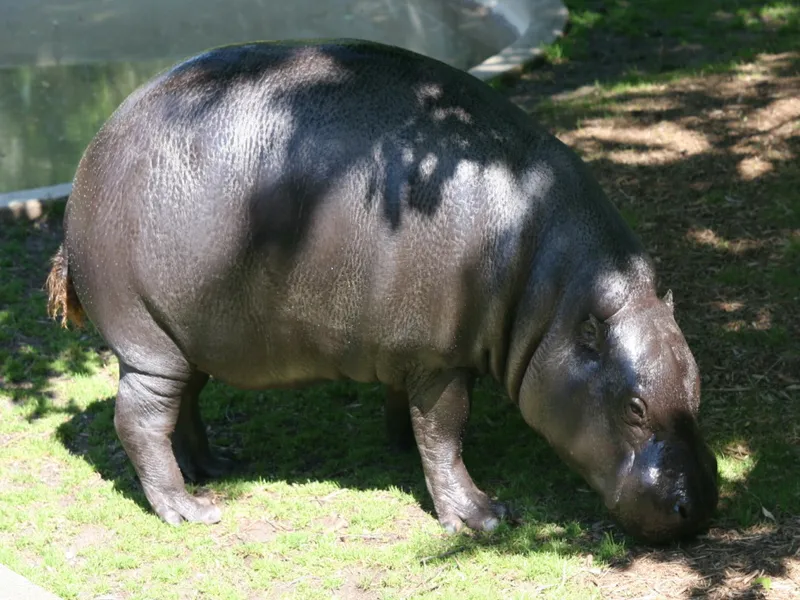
(487, 519)
(188, 508)
(451, 525)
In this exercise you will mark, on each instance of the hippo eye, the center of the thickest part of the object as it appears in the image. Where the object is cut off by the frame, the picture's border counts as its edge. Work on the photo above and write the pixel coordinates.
(636, 410)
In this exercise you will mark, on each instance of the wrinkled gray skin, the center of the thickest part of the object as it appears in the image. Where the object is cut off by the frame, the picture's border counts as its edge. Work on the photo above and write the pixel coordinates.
(281, 214)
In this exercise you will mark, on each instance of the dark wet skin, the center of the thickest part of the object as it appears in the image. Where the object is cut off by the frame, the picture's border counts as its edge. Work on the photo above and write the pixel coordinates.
(276, 215)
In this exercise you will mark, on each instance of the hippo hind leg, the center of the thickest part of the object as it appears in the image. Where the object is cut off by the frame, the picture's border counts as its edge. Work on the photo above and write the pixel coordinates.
(189, 440)
(398, 420)
(147, 410)
(439, 414)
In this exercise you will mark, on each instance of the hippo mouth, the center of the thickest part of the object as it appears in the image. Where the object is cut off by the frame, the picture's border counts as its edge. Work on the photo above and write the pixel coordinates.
(665, 492)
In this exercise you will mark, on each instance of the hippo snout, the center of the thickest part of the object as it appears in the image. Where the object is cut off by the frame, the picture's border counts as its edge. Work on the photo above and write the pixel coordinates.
(671, 491)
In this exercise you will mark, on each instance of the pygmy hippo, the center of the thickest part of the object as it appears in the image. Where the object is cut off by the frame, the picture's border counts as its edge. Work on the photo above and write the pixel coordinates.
(276, 214)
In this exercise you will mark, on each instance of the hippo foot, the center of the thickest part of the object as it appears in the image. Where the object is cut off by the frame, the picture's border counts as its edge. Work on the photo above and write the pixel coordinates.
(480, 519)
(179, 507)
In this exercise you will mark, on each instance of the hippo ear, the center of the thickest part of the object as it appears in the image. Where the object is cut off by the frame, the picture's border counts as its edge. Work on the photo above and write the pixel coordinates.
(668, 300)
(592, 333)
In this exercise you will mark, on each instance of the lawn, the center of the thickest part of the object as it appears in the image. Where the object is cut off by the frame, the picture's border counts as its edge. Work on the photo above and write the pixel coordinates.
(689, 113)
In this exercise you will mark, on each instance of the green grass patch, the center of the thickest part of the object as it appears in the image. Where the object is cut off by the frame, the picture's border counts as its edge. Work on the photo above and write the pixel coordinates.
(738, 29)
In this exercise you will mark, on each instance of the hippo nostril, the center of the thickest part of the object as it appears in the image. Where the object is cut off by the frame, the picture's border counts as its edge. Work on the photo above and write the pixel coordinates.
(681, 509)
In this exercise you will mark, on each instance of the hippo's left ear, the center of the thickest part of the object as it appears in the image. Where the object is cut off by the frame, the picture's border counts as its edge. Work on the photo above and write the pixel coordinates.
(668, 301)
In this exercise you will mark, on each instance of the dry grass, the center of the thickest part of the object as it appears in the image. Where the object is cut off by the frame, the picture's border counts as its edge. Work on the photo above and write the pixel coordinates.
(724, 564)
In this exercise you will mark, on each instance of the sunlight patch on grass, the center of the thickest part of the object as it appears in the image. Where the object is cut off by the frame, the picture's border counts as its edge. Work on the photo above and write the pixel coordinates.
(661, 144)
(736, 461)
(708, 237)
(773, 15)
(610, 549)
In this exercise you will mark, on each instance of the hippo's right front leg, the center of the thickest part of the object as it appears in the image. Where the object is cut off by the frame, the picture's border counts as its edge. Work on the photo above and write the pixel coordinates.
(439, 414)
(145, 415)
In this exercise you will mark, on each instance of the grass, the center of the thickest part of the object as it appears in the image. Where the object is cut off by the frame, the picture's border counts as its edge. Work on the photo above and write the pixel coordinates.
(699, 150)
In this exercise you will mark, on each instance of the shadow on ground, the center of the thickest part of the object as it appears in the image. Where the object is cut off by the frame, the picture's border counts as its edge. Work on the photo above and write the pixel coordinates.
(704, 167)
(34, 352)
(335, 432)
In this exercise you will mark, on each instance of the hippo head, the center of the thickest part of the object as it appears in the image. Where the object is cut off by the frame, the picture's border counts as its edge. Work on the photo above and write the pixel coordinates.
(618, 400)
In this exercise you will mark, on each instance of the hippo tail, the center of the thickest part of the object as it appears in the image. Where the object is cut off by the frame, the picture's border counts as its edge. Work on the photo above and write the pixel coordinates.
(61, 296)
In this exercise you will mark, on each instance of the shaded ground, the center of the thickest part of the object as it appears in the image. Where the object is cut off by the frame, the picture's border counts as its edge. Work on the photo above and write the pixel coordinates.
(703, 161)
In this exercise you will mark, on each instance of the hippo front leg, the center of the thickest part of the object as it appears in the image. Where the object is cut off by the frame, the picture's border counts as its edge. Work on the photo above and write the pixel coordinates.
(439, 415)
